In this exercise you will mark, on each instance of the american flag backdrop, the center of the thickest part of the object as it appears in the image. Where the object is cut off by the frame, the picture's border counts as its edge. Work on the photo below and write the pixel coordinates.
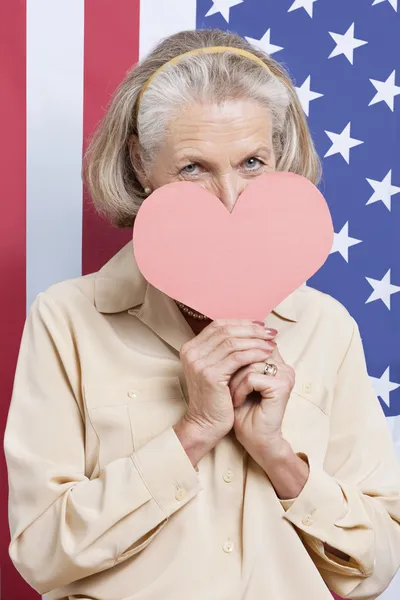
(60, 62)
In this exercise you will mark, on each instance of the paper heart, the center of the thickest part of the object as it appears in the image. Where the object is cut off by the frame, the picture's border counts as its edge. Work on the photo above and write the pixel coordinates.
(237, 265)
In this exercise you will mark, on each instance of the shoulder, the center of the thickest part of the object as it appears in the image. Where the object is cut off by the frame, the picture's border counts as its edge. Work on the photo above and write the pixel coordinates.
(308, 297)
(70, 290)
(67, 298)
(322, 310)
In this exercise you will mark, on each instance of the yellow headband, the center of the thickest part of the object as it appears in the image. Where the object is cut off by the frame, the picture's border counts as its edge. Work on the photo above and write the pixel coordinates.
(205, 50)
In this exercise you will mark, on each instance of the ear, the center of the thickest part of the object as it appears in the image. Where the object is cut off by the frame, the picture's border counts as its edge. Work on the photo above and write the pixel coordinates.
(134, 154)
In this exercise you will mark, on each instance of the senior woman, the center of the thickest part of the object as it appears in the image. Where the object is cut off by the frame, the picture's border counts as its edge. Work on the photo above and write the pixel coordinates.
(142, 465)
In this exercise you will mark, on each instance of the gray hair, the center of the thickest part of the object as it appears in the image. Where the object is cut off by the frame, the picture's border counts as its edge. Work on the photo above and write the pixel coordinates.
(108, 169)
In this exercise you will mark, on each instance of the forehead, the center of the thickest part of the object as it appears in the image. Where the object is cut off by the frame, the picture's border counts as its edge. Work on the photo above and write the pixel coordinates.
(211, 127)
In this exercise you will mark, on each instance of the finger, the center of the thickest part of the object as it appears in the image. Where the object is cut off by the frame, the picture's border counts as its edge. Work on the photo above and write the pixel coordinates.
(285, 371)
(277, 357)
(233, 345)
(232, 327)
(237, 360)
(241, 328)
(254, 368)
(242, 390)
(254, 382)
(242, 373)
(223, 334)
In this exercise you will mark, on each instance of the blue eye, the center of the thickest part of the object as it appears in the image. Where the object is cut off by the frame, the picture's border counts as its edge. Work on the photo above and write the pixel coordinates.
(189, 169)
(253, 163)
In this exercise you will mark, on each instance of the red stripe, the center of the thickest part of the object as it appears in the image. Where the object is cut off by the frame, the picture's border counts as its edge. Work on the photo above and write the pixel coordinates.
(12, 243)
(111, 48)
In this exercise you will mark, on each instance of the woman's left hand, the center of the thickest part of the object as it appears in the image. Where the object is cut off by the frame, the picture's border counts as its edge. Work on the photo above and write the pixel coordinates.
(258, 422)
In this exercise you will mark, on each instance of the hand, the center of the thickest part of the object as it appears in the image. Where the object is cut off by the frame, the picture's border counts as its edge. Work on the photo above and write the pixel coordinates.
(258, 422)
(209, 360)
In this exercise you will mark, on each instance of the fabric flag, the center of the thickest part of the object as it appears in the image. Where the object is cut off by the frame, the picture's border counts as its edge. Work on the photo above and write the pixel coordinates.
(61, 61)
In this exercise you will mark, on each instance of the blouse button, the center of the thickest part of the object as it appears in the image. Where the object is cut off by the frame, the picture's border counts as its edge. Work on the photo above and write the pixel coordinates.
(132, 394)
(307, 387)
(228, 476)
(307, 520)
(180, 494)
(228, 546)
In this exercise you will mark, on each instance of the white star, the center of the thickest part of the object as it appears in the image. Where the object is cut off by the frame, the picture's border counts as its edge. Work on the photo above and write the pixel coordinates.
(383, 386)
(392, 2)
(383, 190)
(346, 43)
(265, 43)
(306, 4)
(387, 90)
(342, 242)
(383, 289)
(341, 143)
(306, 95)
(223, 7)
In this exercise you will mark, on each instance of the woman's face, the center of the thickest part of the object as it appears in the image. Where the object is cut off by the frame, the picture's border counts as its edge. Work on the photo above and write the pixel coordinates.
(220, 147)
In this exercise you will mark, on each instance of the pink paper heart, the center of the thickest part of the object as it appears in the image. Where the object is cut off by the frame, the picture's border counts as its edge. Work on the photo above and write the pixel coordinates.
(237, 265)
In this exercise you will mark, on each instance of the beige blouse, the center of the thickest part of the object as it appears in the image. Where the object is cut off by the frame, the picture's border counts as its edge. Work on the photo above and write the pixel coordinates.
(106, 505)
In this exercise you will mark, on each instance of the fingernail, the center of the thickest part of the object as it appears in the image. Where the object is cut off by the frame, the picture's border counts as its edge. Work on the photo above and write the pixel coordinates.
(271, 331)
(259, 323)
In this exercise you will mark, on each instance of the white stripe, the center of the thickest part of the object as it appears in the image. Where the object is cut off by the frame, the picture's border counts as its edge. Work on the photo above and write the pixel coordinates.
(159, 19)
(55, 34)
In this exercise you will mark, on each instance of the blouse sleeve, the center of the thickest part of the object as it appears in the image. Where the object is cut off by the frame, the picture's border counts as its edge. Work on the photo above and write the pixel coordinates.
(352, 504)
(65, 526)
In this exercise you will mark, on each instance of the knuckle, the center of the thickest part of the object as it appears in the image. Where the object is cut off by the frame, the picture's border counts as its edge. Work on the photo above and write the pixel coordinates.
(251, 379)
(190, 355)
(226, 330)
(251, 356)
(285, 385)
(236, 359)
(263, 353)
(184, 349)
(249, 375)
(217, 324)
(231, 343)
(242, 358)
(198, 367)
(291, 374)
(208, 374)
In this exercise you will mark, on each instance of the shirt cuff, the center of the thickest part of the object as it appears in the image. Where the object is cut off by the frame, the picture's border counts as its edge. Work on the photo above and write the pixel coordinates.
(167, 472)
(317, 513)
(319, 505)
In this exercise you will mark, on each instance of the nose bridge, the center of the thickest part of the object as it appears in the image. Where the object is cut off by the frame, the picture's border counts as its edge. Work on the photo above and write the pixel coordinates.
(229, 189)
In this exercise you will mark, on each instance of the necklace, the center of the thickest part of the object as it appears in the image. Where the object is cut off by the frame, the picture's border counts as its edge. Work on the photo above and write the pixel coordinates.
(191, 312)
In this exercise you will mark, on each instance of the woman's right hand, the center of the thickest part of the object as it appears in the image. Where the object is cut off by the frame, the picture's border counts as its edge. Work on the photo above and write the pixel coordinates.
(209, 360)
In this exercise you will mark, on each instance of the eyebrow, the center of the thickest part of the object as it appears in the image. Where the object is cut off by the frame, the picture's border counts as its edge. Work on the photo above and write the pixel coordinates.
(260, 150)
(194, 157)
